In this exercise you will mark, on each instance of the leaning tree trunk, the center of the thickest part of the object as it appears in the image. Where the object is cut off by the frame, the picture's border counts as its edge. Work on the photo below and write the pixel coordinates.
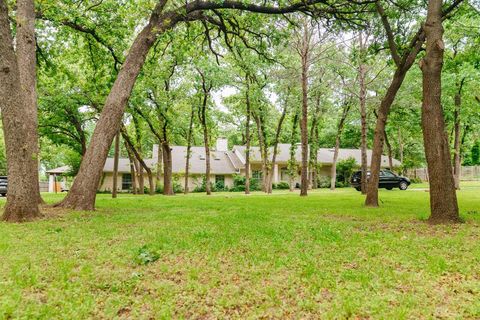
(143, 166)
(389, 151)
(18, 125)
(443, 198)
(116, 155)
(379, 136)
(275, 149)
(247, 137)
(83, 192)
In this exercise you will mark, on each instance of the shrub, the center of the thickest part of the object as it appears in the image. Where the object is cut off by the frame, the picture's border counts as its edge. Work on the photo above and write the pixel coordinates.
(324, 182)
(282, 185)
(239, 184)
(345, 169)
(416, 180)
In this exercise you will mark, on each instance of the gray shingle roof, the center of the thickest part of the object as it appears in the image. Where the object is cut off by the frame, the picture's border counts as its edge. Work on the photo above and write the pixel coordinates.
(325, 155)
(228, 162)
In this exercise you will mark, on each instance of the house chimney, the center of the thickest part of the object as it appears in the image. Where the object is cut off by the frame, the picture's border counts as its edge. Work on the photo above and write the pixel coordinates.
(222, 144)
(155, 151)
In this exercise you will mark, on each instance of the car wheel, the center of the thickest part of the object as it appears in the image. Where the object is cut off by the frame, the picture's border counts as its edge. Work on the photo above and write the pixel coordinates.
(403, 185)
(358, 188)
(389, 188)
(4, 194)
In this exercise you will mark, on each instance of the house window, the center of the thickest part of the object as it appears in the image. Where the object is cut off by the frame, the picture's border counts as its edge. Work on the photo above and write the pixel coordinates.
(220, 181)
(257, 175)
(126, 181)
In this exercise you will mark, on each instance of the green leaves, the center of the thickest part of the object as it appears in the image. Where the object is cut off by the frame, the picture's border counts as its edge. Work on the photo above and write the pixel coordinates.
(146, 255)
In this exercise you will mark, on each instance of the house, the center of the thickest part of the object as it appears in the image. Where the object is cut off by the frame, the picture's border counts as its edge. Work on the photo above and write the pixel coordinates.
(225, 163)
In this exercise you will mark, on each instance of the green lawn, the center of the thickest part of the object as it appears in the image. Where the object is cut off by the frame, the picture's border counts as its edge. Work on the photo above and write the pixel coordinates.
(236, 256)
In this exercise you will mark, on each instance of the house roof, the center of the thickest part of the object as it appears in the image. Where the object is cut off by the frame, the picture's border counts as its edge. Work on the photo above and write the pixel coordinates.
(220, 161)
(230, 162)
(60, 170)
(325, 155)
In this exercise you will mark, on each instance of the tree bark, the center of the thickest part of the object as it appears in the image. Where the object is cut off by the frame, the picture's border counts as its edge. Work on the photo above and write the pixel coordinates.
(189, 150)
(292, 163)
(443, 198)
(275, 148)
(314, 144)
(262, 141)
(17, 112)
(403, 64)
(389, 151)
(341, 123)
(305, 59)
(83, 192)
(133, 173)
(203, 120)
(362, 72)
(159, 167)
(116, 156)
(27, 62)
(383, 111)
(458, 140)
(142, 166)
(248, 140)
(167, 169)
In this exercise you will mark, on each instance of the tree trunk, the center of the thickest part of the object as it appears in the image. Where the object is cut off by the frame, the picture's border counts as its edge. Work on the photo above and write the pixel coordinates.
(292, 163)
(27, 62)
(116, 156)
(443, 198)
(314, 143)
(341, 123)
(159, 169)
(305, 57)
(189, 150)
(167, 169)
(400, 149)
(203, 120)
(133, 172)
(389, 151)
(248, 138)
(18, 124)
(458, 140)
(333, 172)
(142, 166)
(275, 148)
(362, 72)
(83, 192)
(263, 149)
(379, 136)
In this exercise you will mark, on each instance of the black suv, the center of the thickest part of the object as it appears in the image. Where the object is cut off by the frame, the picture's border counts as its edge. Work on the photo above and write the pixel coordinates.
(388, 180)
(3, 185)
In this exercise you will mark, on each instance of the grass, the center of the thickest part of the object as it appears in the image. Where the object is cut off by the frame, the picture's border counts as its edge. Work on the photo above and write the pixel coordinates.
(236, 256)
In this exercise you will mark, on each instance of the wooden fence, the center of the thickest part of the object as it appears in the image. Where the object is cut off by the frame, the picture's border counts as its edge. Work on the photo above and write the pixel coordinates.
(466, 173)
